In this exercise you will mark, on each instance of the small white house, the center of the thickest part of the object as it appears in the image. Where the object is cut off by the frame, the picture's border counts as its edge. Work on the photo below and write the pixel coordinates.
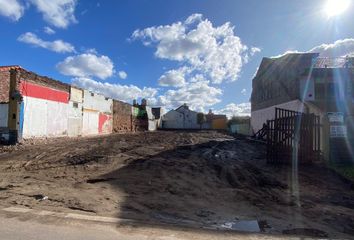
(180, 118)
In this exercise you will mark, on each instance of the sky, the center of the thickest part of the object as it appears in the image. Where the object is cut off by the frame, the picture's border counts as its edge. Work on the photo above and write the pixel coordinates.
(203, 53)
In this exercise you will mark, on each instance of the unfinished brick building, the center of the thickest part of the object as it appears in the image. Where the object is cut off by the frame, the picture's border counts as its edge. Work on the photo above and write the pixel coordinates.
(122, 117)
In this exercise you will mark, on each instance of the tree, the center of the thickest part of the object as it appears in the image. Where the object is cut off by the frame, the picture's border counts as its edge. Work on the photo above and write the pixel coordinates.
(201, 119)
(238, 120)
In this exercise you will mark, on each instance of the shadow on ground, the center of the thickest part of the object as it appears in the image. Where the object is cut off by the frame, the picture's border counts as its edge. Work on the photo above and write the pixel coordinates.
(216, 183)
(171, 179)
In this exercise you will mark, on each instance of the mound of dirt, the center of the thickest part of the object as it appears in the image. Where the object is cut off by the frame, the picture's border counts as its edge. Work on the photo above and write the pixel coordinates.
(201, 178)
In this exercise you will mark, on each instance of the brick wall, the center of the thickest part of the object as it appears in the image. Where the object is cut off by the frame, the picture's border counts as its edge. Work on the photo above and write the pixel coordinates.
(4, 85)
(140, 124)
(24, 75)
(122, 117)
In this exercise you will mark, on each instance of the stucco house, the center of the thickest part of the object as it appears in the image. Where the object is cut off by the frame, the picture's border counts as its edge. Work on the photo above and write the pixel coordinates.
(180, 118)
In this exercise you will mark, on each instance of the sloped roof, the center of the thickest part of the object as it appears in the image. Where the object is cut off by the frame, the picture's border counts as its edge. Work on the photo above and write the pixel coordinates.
(182, 106)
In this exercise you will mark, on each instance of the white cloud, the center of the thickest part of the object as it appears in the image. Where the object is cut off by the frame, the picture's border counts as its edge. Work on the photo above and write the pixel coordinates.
(233, 109)
(255, 72)
(198, 95)
(339, 48)
(48, 30)
(11, 9)
(55, 46)
(196, 17)
(252, 51)
(91, 50)
(285, 53)
(215, 52)
(122, 74)
(87, 65)
(117, 91)
(255, 50)
(59, 13)
(173, 78)
(243, 91)
(207, 55)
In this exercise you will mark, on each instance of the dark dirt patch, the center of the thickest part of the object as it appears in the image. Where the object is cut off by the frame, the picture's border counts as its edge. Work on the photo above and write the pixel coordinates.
(306, 232)
(81, 209)
(98, 180)
(177, 177)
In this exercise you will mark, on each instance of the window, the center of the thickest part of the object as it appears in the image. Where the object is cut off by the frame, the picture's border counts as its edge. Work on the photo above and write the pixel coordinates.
(75, 105)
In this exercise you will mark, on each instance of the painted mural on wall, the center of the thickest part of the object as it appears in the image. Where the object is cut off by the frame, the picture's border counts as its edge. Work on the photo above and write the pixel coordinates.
(45, 110)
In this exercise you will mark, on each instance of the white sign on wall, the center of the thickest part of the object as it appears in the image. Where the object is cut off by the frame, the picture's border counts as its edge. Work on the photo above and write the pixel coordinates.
(335, 117)
(338, 131)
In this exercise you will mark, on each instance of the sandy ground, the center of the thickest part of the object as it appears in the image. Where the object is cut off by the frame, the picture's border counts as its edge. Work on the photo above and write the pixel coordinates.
(201, 179)
(44, 228)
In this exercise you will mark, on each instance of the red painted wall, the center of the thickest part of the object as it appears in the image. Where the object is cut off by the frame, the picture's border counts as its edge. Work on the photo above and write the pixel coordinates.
(36, 91)
(104, 123)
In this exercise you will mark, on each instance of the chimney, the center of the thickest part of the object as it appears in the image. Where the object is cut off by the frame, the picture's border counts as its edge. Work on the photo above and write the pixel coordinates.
(143, 102)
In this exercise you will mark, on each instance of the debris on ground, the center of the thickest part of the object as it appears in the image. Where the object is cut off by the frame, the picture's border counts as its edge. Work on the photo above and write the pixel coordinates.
(203, 178)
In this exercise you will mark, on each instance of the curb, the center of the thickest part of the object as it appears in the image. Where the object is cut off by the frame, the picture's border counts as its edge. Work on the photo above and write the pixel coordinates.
(73, 216)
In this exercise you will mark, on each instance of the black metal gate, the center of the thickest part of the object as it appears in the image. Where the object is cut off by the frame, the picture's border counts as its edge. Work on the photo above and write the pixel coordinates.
(293, 136)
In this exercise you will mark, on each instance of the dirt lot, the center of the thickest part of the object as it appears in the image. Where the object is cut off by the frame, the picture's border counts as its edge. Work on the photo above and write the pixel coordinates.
(191, 178)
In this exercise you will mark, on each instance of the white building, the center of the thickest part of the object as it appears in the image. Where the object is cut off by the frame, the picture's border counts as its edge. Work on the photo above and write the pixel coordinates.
(180, 118)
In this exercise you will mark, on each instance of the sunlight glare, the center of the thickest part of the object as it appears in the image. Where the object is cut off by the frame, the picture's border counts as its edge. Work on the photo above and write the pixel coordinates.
(336, 7)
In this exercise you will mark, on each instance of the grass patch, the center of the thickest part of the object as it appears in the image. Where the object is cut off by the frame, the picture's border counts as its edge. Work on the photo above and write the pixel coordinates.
(346, 171)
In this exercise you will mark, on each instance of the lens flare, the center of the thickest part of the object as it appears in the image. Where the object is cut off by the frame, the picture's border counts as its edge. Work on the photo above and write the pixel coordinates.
(336, 7)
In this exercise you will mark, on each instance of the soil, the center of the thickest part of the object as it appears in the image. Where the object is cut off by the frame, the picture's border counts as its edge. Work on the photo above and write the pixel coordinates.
(202, 179)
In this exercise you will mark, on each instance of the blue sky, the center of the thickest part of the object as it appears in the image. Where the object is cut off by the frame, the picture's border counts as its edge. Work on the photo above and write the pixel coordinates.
(203, 53)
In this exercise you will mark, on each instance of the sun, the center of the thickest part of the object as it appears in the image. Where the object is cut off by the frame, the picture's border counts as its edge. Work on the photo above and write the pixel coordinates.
(336, 7)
